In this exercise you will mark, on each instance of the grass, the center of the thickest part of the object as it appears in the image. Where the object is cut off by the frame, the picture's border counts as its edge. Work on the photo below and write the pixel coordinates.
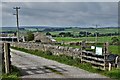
(67, 39)
(70, 39)
(71, 61)
(114, 49)
(14, 75)
(115, 73)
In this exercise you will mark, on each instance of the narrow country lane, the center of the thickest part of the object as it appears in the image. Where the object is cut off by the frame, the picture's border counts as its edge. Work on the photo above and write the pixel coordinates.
(33, 67)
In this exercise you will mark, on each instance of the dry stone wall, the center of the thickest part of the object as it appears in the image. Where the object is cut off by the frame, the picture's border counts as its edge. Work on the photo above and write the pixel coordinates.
(56, 50)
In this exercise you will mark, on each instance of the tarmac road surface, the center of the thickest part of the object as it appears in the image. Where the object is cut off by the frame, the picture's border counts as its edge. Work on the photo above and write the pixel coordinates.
(34, 67)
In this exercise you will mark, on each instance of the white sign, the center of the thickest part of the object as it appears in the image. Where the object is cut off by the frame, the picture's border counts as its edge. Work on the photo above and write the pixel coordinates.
(92, 47)
(98, 50)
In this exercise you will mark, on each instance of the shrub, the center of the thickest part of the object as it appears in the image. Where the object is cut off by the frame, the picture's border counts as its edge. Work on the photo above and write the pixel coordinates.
(29, 36)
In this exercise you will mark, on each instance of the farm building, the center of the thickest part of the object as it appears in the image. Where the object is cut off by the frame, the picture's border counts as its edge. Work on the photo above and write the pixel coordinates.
(40, 37)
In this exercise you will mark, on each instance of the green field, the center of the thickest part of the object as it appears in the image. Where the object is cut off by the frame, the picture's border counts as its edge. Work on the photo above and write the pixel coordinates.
(69, 39)
(75, 31)
(114, 49)
(92, 30)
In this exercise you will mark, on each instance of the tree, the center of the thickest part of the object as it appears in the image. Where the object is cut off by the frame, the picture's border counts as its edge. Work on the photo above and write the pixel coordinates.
(68, 34)
(29, 36)
(62, 34)
(115, 40)
(48, 33)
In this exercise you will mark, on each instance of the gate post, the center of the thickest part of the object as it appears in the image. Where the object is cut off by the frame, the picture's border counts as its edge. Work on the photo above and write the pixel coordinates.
(106, 52)
(81, 51)
(7, 57)
(1, 59)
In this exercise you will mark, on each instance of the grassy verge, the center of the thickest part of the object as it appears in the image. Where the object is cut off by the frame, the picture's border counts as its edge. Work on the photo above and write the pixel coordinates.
(73, 62)
(14, 75)
(115, 73)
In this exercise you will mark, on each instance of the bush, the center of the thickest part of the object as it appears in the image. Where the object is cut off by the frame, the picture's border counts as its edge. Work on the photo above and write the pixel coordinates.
(29, 36)
(115, 40)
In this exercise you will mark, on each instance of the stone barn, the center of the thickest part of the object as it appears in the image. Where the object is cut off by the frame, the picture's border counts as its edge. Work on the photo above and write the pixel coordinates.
(40, 37)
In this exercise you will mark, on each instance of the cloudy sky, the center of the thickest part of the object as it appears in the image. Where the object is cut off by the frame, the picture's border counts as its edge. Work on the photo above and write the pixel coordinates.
(61, 13)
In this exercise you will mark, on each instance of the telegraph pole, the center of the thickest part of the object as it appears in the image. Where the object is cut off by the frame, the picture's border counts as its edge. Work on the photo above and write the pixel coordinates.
(17, 18)
(96, 33)
(86, 36)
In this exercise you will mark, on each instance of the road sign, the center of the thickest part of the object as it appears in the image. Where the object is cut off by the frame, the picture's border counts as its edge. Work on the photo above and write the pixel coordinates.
(98, 50)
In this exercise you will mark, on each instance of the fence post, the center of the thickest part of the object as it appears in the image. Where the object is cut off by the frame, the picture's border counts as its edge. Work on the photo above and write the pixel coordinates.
(116, 62)
(104, 61)
(110, 66)
(7, 57)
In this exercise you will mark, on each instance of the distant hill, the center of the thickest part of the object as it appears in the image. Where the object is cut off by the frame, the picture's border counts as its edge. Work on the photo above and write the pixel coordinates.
(45, 28)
